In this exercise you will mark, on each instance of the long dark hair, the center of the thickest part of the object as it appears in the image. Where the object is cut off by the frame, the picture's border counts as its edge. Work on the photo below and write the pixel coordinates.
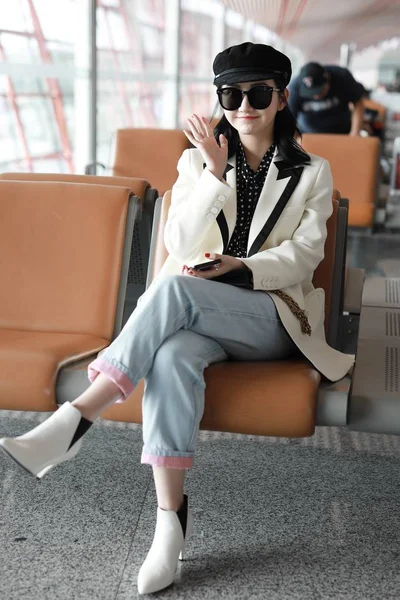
(285, 130)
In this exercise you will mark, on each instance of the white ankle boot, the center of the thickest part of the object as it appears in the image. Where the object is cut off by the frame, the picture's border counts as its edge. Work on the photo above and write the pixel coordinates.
(172, 530)
(55, 440)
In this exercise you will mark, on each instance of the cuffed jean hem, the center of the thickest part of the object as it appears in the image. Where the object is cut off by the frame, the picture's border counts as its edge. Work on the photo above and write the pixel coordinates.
(170, 462)
(99, 365)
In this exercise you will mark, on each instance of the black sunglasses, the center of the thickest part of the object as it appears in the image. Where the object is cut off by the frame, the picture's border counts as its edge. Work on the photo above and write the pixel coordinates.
(259, 96)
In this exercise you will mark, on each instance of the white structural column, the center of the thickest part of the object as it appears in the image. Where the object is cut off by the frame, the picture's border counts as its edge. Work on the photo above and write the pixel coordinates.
(218, 44)
(84, 96)
(219, 31)
(172, 41)
(248, 31)
(346, 54)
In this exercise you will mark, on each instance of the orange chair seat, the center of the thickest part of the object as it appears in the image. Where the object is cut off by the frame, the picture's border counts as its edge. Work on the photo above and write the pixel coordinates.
(276, 398)
(30, 361)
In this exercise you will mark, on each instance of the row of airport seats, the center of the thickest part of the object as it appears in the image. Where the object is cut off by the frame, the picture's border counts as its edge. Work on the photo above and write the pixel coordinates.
(127, 141)
(69, 246)
(153, 155)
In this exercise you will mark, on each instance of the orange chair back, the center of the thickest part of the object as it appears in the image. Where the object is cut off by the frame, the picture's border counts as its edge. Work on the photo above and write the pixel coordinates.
(61, 247)
(151, 154)
(355, 166)
(137, 186)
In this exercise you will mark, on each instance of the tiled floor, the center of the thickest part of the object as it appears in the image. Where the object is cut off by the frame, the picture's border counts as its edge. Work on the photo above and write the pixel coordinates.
(275, 519)
(378, 254)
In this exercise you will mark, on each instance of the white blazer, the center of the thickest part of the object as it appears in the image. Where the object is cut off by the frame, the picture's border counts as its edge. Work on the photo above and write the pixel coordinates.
(202, 218)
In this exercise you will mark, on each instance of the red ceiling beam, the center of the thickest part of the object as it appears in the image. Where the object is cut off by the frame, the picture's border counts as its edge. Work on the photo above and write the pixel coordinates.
(340, 35)
(293, 25)
(281, 17)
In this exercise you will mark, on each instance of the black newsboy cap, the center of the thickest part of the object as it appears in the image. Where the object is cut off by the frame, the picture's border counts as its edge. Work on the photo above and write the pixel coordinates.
(250, 62)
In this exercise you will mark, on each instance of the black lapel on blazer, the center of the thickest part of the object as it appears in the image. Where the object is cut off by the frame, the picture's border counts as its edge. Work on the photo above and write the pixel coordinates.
(284, 171)
(221, 220)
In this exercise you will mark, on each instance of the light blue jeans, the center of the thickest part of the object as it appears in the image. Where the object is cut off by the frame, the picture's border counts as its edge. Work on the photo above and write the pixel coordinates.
(181, 325)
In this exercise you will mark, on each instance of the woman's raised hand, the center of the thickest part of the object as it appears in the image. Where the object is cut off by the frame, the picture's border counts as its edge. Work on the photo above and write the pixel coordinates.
(201, 136)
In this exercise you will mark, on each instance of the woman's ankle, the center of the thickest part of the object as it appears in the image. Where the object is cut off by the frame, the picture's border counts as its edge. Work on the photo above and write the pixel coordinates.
(85, 411)
(171, 504)
(101, 394)
(169, 487)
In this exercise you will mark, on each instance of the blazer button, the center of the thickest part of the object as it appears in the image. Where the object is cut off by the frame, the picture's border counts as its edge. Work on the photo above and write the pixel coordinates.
(217, 204)
(221, 197)
(214, 211)
(265, 282)
(210, 217)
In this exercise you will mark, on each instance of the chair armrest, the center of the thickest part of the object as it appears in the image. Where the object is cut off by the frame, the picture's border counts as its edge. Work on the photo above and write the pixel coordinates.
(153, 243)
(353, 290)
(91, 168)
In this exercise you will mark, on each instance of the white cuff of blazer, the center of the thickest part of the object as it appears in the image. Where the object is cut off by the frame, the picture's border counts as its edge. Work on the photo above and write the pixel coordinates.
(270, 283)
(219, 198)
(262, 282)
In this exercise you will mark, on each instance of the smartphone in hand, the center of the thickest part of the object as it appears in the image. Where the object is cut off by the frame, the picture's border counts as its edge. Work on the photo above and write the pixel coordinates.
(206, 265)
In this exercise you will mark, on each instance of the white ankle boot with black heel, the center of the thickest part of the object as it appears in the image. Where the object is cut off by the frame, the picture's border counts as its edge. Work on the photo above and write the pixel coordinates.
(172, 530)
(52, 442)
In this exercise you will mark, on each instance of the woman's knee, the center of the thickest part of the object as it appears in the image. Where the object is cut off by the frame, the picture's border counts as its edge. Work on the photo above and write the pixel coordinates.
(175, 351)
(185, 351)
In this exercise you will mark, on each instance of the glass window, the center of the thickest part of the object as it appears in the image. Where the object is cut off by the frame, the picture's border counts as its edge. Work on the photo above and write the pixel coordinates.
(196, 43)
(199, 98)
(17, 17)
(20, 48)
(38, 104)
(45, 80)
(130, 42)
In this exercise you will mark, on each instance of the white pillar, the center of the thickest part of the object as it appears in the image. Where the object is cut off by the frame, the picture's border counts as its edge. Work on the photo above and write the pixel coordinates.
(248, 31)
(84, 101)
(219, 37)
(172, 44)
(346, 54)
(218, 44)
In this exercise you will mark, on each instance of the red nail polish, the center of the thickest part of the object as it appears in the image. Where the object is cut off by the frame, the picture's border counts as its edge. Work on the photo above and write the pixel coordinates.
(207, 255)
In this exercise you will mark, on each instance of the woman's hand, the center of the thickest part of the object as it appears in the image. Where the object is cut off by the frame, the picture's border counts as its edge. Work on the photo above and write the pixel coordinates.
(228, 263)
(202, 137)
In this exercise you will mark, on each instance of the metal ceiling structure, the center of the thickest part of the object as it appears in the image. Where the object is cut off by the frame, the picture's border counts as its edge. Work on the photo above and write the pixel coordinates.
(319, 27)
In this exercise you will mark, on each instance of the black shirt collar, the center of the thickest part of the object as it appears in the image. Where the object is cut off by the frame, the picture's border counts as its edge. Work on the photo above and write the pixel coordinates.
(247, 171)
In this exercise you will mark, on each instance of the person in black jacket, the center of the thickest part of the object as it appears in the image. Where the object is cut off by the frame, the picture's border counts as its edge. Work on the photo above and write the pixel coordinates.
(326, 99)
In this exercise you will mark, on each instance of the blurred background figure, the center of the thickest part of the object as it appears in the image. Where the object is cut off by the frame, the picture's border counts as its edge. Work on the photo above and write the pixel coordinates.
(326, 99)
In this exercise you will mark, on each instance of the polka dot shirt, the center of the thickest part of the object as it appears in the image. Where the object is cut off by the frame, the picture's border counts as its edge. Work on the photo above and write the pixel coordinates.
(249, 185)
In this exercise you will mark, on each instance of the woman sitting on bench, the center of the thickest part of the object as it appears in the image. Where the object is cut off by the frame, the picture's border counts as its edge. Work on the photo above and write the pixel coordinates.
(254, 205)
